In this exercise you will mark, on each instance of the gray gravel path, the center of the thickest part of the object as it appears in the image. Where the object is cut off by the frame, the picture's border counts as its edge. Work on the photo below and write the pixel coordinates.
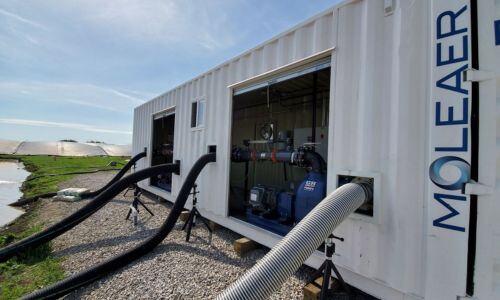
(174, 270)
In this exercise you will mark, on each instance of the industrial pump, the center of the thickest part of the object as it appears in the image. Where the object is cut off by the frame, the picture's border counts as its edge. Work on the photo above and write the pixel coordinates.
(274, 208)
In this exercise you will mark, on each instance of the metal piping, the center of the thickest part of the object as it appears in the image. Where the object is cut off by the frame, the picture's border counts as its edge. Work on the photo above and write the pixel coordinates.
(287, 256)
(301, 157)
(314, 113)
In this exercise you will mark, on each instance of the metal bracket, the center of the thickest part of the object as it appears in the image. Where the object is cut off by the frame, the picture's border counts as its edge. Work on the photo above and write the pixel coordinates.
(178, 162)
(388, 7)
(473, 75)
(475, 188)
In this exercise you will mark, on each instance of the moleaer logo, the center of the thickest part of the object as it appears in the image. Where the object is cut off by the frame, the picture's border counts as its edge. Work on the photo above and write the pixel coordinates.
(450, 136)
(449, 157)
(457, 162)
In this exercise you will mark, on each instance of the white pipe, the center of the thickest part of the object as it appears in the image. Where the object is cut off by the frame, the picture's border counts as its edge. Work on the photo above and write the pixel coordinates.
(287, 256)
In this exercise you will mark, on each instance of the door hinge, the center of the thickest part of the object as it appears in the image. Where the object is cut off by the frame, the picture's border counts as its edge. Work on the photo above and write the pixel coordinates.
(478, 189)
(473, 75)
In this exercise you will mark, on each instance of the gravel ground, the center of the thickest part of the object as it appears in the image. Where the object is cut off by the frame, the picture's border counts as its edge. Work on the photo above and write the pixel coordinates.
(174, 270)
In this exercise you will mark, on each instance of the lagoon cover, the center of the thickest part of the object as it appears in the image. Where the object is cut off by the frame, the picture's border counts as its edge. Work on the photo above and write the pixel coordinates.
(63, 148)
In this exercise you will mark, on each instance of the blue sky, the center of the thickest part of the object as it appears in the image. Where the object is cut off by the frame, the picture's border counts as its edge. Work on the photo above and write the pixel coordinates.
(77, 68)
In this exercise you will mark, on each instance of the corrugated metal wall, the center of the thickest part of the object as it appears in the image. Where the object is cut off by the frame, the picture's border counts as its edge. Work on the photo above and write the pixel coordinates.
(378, 123)
(303, 41)
(490, 271)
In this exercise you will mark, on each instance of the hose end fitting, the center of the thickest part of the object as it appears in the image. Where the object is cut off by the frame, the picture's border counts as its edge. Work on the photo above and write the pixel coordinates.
(367, 185)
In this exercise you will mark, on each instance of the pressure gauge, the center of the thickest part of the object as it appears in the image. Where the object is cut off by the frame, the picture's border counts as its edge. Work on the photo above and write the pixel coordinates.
(267, 131)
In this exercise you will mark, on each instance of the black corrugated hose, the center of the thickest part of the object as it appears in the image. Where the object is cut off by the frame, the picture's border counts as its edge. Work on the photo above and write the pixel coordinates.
(87, 276)
(84, 212)
(24, 201)
(118, 175)
(71, 173)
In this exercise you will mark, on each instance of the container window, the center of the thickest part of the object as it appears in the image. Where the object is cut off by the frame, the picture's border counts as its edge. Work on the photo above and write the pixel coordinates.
(198, 113)
(201, 114)
(194, 108)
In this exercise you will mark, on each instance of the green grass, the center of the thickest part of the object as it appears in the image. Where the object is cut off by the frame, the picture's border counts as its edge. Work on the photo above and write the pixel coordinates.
(36, 268)
(32, 269)
(43, 165)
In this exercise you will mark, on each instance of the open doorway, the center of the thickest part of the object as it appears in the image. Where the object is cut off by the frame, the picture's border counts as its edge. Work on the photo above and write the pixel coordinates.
(274, 123)
(163, 148)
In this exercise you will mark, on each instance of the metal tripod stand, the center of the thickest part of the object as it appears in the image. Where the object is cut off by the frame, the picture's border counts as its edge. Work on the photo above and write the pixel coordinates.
(134, 207)
(193, 215)
(328, 266)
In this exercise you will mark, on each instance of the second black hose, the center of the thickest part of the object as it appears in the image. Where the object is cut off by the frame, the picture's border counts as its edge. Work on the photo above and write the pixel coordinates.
(84, 212)
(87, 276)
(118, 175)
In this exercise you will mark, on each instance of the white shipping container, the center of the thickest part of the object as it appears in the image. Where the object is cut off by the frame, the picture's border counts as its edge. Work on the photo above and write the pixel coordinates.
(413, 98)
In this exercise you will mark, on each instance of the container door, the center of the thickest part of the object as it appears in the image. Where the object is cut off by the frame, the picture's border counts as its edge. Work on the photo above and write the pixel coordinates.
(163, 148)
(484, 238)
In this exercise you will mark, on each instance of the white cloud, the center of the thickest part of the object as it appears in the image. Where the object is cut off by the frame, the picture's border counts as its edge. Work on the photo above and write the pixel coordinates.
(76, 126)
(90, 104)
(21, 19)
(201, 23)
(80, 94)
